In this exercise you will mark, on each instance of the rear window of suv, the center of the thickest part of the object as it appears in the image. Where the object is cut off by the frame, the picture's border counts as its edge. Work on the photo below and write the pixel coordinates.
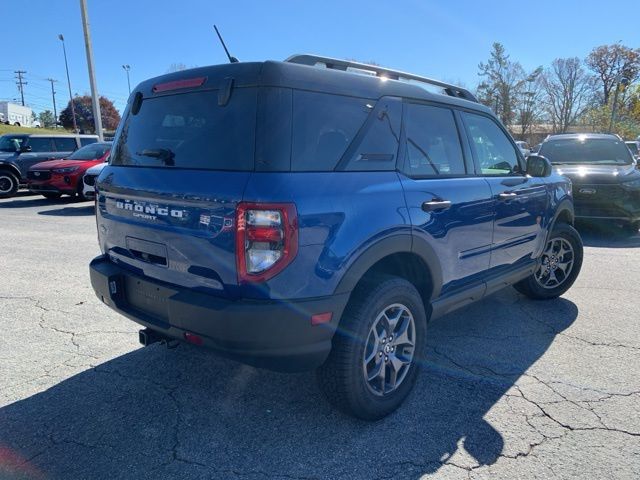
(190, 130)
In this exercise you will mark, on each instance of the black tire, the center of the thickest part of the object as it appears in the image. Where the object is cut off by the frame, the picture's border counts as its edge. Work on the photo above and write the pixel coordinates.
(80, 196)
(532, 288)
(9, 184)
(52, 196)
(342, 376)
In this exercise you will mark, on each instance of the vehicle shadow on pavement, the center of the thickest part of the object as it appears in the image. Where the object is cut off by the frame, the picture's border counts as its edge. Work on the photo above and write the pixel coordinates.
(35, 201)
(185, 413)
(607, 236)
(84, 209)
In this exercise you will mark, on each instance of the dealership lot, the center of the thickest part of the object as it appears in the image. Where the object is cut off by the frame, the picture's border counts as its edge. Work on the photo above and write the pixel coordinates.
(511, 387)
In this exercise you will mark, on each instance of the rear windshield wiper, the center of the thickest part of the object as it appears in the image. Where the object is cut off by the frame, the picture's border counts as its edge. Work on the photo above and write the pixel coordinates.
(164, 154)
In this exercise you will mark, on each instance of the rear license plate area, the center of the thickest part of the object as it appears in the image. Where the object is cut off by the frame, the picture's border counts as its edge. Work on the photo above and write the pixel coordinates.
(148, 298)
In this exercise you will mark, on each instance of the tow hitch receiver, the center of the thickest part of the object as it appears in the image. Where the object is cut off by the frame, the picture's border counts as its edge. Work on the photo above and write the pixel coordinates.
(147, 337)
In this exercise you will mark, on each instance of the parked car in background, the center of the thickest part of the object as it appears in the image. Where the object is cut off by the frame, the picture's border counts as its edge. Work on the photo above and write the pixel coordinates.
(524, 147)
(635, 149)
(64, 177)
(323, 221)
(89, 180)
(19, 152)
(606, 182)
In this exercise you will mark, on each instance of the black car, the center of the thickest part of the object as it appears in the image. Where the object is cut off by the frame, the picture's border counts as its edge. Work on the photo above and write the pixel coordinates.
(606, 182)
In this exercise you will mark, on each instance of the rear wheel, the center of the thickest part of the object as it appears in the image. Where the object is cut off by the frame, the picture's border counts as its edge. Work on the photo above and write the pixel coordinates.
(373, 363)
(81, 197)
(8, 184)
(558, 267)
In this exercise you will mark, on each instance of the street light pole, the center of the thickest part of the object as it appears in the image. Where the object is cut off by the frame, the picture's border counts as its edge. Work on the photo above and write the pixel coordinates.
(66, 65)
(126, 69)
(97, 118)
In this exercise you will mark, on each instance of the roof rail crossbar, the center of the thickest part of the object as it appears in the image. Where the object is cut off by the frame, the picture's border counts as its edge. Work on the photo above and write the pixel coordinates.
(336, 64)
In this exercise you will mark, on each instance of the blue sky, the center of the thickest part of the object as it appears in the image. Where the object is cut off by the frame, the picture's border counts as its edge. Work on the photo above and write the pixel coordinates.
(441, 39)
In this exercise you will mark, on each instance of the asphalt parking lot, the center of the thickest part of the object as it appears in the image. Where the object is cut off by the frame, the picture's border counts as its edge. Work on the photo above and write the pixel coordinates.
(510, 388)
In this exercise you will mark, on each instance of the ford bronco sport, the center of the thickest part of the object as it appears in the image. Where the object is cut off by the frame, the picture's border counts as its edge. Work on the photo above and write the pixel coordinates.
(303, 215)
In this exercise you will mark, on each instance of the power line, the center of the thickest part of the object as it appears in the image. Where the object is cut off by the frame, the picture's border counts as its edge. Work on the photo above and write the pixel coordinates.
(21, 83)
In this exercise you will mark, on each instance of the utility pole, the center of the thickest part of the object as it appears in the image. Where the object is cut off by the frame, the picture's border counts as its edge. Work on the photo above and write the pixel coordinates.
(21, 83)
(92, 76)
(53, 96)
(66, 65)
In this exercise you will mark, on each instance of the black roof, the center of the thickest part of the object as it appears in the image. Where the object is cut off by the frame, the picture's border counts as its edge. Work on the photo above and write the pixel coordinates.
(291, 75)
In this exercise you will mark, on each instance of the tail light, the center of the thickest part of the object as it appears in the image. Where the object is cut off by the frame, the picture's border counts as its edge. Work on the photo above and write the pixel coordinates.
(266, 239)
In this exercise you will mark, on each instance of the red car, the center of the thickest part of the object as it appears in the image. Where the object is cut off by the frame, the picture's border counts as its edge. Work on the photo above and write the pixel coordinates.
(54, 178)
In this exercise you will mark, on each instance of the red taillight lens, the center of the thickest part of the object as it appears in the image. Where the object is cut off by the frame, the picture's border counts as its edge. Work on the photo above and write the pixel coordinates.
(177, 84)
(266, 239)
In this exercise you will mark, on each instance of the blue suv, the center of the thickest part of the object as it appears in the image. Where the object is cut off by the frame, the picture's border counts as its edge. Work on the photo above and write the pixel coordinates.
(316, 213)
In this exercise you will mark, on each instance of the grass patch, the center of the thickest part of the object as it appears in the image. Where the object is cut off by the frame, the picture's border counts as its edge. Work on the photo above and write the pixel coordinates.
(13, 129)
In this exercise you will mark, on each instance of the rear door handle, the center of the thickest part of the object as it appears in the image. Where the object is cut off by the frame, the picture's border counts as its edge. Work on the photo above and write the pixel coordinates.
(436, 204)
(507, 195)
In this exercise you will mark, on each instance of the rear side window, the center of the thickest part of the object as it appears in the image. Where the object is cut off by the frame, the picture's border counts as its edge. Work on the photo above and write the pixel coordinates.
(40, 144)
(65, 144)
(495, 153)
(376, 145)
(84, 141)
(190, 130)
(433, 143)
(323, 127)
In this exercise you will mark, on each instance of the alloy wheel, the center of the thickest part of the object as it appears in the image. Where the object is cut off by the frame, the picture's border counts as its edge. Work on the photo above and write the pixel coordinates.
(389, 349)
(6, 183)
(556, 263)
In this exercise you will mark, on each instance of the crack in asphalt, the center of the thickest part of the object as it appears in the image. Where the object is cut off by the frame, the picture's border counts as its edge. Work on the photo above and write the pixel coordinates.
(562, 333)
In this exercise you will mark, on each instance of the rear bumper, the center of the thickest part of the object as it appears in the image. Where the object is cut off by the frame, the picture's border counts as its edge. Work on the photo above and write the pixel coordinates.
(271, 334)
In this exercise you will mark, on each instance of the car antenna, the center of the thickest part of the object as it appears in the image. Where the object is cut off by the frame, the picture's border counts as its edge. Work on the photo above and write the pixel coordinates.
(231, 59)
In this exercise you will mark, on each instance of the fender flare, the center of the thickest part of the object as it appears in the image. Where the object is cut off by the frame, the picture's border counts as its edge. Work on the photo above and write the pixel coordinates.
(400, 243)
(565, 205)
(12, 168)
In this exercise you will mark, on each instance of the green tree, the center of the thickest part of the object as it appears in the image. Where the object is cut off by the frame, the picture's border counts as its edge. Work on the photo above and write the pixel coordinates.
(501, 84)
(46, 118)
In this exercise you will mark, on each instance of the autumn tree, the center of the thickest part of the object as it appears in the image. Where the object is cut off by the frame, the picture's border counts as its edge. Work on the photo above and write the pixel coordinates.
(569, 92)
(612, 63)
(84, 114)
(502, 82)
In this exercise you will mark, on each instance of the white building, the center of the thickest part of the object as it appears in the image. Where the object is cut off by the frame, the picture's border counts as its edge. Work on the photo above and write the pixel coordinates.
(16, 114)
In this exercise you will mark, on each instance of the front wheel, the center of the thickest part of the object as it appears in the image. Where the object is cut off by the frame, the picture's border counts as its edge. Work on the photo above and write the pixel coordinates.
(9, 184)
(558, 267)
(376, 350)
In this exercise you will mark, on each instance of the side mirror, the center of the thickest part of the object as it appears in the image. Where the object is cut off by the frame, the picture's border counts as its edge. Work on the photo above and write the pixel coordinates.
(538, 166)
(25, 148)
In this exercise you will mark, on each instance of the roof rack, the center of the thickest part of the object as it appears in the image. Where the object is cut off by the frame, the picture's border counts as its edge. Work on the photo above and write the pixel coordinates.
(336, 64)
